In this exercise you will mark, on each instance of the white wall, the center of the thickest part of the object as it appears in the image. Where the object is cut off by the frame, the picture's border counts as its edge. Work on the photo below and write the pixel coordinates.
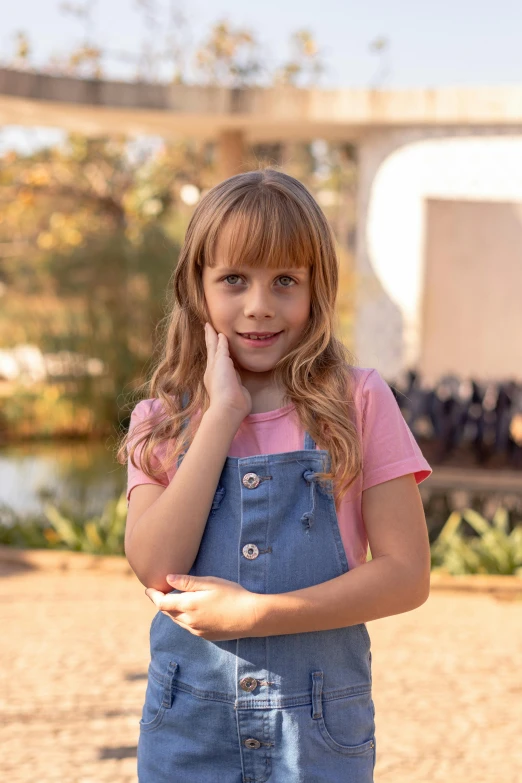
(399, 170)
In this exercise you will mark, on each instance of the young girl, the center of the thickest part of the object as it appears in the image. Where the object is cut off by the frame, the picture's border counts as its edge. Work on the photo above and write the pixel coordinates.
(260, 467)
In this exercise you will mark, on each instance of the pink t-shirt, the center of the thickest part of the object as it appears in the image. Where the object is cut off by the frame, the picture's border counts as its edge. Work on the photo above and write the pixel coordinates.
(389, 450)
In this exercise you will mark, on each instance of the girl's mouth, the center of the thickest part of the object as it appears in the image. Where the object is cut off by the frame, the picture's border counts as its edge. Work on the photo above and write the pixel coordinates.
(259, 342)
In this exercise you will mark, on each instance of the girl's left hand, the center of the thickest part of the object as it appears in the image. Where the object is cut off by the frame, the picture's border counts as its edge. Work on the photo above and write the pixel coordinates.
(213, 608)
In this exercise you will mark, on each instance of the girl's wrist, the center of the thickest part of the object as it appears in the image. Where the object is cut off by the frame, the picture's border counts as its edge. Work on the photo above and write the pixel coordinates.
(224, 415)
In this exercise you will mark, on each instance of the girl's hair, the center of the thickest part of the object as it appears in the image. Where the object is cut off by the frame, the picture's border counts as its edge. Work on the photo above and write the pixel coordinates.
(275, 223)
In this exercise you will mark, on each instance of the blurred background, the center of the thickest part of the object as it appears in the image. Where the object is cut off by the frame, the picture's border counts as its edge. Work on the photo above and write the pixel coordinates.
(405, 122)
(116, 118)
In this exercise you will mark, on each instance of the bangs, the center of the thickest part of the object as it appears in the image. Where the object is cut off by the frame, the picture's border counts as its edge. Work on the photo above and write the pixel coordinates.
(266, 229)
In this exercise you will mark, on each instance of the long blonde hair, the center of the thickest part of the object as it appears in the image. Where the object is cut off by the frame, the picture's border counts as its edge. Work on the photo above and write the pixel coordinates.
(279, 224)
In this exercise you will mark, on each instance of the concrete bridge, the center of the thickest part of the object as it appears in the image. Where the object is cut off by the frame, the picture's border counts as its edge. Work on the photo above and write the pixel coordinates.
(439, 226)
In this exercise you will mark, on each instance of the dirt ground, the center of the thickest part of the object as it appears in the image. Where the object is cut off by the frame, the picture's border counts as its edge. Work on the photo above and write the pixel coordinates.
(74, 654)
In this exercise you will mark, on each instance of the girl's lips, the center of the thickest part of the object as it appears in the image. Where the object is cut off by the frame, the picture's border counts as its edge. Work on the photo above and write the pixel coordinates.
(260, 343)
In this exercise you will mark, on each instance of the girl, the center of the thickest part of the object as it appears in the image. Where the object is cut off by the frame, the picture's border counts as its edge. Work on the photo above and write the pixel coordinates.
(259, 469)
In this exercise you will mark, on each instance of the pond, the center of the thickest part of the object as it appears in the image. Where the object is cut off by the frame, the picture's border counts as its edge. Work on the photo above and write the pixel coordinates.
(84, 475)
(81, 475)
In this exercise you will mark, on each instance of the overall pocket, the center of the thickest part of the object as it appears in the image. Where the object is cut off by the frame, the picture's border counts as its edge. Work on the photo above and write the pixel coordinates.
(159, 697)
(346, 723)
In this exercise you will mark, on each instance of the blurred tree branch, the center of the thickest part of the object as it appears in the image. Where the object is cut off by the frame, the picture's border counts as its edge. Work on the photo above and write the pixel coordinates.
(228, 56)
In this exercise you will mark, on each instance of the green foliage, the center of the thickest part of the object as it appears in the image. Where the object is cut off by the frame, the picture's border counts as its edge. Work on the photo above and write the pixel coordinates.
(91, 236)
(101, 535)
(492, 550)
(49, 410)
(25, 533)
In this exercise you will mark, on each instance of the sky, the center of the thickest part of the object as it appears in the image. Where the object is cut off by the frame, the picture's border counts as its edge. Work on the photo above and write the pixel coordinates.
(431, 44)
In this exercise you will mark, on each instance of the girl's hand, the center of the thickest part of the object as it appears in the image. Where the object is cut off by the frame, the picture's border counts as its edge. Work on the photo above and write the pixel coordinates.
(210, 607)
(222, 380)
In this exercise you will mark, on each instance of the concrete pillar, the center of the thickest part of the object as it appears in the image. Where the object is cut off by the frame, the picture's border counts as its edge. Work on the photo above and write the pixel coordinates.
(383, 339)
(231, 153)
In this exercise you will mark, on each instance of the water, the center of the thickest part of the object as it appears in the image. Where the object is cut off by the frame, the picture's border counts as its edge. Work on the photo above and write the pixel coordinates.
(82, 475)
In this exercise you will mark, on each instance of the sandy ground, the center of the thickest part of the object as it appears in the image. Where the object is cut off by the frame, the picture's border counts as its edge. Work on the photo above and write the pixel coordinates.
(74, 654)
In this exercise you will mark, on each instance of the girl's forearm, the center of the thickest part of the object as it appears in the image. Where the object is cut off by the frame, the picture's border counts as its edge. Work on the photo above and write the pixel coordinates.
(166, 537)
(376, 589)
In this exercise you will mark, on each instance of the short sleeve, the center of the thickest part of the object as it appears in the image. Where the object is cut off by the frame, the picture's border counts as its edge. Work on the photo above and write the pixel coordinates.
(389, 447)
(137, 476)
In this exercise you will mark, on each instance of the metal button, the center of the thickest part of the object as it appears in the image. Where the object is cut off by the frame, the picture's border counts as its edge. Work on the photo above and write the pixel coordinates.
(251, 480)
(250, 551)
(248, 683)
(252, 743)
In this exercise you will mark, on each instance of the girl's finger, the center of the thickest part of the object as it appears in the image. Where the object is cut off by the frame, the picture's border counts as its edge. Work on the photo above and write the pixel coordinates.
(181, 623)
(219, 343)
(162, 601)
(173, 616)
(176, 602)
(222, 342)
(155, 595)
(211, 342)
(169, 609)
(176, 616)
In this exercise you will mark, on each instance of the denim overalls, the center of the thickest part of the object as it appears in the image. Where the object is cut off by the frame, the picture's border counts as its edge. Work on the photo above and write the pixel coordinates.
(294, 708)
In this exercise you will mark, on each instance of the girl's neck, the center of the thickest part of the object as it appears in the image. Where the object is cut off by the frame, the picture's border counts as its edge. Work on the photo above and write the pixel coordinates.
(263, 403)
(266, 396)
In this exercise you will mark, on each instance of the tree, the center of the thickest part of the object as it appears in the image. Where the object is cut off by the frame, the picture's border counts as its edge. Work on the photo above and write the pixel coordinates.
(305, 64)
(90, 231)
(229, 57)
(94, 234)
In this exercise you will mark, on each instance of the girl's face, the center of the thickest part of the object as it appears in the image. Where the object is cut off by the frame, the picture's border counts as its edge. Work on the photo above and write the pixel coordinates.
(243, 300)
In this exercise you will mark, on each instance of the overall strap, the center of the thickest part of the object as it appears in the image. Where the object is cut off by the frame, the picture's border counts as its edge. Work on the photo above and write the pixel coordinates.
(184, 423)
(309, 442)
(184, 403)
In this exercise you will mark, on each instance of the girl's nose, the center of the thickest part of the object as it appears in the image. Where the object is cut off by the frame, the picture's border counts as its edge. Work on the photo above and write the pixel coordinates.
(258, 303)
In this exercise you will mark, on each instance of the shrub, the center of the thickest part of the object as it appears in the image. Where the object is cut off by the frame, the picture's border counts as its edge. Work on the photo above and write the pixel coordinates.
(492, 550)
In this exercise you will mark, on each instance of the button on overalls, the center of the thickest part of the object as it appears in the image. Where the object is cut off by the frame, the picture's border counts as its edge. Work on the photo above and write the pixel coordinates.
(292, 708)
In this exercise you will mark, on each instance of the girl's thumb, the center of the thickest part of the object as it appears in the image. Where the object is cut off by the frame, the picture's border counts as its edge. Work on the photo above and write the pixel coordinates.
(187, 582)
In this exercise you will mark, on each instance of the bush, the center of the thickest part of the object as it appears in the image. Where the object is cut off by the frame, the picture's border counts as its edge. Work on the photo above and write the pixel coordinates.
(492, 550)
(101, 535)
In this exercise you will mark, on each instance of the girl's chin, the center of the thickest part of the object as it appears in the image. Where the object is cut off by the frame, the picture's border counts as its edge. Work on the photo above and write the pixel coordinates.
(253, 364)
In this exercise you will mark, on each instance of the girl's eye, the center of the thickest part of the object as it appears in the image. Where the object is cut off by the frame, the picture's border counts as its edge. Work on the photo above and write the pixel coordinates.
(282, 277)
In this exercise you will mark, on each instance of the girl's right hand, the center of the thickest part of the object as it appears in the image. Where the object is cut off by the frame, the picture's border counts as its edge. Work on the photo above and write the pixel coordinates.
(222, 380)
